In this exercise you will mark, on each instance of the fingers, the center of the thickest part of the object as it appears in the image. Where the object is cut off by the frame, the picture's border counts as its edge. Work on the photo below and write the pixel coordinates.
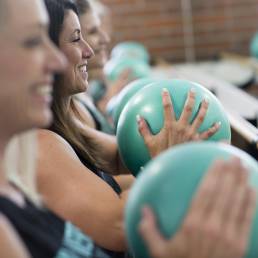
(211, 131)
(169, 114)
(188, 108)
(239, 196)
(233, 242)
(248, 210)
(125, 75)
(201, 115)
(201, 239)
(226, 189)
(207, 189)
(144, 130)
(152, 237)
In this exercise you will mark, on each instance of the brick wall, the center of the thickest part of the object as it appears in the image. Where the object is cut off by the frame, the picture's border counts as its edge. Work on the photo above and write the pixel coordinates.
(217, 25)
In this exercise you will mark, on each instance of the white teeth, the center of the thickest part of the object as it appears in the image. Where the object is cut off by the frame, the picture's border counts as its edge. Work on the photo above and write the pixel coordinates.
(44, 90)
(83, 69)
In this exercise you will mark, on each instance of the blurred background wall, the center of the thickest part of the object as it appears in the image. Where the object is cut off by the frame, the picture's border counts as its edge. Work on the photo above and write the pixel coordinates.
(188, 29)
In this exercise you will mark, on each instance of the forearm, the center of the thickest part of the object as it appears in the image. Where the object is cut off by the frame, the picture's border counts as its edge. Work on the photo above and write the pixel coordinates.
(125, 181)
(103, 223)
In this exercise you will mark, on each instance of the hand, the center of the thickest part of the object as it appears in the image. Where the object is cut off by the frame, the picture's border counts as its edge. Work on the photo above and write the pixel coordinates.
(218, 222)
(112, 90)
(176, 131)
(124, 78)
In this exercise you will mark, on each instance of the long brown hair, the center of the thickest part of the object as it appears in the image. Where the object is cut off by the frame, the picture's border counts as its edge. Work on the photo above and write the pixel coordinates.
(63, 110)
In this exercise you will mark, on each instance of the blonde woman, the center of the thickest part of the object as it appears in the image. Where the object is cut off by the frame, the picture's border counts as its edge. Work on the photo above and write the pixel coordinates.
(28, 61)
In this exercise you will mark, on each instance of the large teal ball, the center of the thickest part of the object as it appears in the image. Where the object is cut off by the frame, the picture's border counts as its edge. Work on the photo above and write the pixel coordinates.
(127, 93)
(148, 103)
(168, 183)
(116, 66)
(254, 46)
(131, 49)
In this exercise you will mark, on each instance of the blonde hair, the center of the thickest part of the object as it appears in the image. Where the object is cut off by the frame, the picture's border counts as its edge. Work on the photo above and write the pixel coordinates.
(100, 9)
(20, 164)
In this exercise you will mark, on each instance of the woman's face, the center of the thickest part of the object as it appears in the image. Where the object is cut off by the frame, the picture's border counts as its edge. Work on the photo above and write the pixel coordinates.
(28, 60)
(77, 52)
(96, 37)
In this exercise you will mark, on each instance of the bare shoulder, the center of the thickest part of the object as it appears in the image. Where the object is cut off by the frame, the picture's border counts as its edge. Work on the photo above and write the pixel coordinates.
(3, 221)
(50, 143)
(5, 225)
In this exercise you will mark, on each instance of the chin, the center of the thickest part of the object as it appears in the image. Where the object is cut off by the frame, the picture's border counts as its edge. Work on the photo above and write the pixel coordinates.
(80, 89)
(44, 119)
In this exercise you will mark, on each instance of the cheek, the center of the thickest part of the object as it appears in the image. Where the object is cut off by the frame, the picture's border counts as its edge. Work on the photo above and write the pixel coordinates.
(23, 70)
(93, 42)
(74, 59)
(73, 55)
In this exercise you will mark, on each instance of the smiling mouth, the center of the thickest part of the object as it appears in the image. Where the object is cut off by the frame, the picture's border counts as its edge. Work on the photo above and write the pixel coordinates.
(44, 90)
(83, 72)
(83, 68)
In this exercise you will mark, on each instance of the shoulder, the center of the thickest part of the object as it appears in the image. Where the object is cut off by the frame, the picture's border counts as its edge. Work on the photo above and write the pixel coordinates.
(50, 143)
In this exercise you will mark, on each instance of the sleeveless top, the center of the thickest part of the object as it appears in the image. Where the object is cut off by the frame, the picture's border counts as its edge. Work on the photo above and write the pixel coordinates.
(100, 120)
(109, 180)
(46, 235)
(112, 182)
(104, 176)
(97, 90)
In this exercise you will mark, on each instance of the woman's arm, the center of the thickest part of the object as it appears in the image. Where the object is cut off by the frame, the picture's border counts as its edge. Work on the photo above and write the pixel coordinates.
(11, 246)
(78, 195)
(125, 181)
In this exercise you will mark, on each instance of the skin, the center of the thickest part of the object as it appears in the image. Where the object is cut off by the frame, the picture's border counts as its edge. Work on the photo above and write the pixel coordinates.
(81, 196)
(11, 246)
(200, 235)
(30, 48)
(77, 52)
(27, 60)
(97, 36)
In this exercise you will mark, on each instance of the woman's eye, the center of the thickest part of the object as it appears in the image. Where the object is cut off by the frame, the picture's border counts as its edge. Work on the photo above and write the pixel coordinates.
(77, 39)
(93, 31)
(33, 42)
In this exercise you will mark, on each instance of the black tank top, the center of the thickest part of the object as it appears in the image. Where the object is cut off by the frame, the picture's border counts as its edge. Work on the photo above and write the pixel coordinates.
(101, 122)
(47, 236)
(109, 180)
(104, 176)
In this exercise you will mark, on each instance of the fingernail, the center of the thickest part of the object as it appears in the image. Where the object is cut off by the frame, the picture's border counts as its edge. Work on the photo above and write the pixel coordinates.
(192, 90)
(138, 118)
(165, 90)
(218, 124)
(206, 100)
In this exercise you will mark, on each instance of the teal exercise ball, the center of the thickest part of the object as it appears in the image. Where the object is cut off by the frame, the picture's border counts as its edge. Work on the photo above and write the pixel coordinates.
(131, 49)
(116, 66)
(254, 46)
(147, 102)
(168, 183)
(127, 93)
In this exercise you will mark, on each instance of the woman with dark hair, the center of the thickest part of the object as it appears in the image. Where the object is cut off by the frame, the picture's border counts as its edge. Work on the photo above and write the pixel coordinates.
(73, 156)
(25, 104)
